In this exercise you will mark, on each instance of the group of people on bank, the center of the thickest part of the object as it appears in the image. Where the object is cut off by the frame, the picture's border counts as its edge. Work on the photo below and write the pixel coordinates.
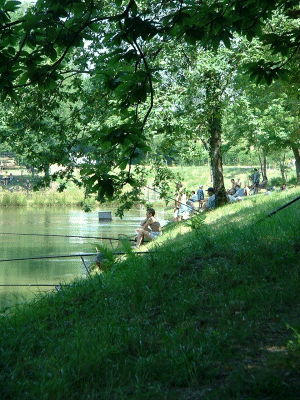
(150, 228)
(186, 205)
(6, 178)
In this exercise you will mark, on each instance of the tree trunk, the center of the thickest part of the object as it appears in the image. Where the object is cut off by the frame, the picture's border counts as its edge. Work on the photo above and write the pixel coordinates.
(209, 159)
(216, 160)
(47, 171)
(214, 104)
(296, 152)
(265, 168)
(282, 169)
(261, 165)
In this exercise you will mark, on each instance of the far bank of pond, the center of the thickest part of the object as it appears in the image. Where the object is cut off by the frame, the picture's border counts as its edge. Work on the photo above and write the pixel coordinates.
(52, 221)
(50, 197)
(11, 197)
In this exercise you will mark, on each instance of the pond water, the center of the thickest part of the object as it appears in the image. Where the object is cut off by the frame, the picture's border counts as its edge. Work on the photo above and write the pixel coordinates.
(52, 271)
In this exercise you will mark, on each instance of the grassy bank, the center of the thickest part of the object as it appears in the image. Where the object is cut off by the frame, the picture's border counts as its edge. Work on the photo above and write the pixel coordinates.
(192, 177)
(210, 312)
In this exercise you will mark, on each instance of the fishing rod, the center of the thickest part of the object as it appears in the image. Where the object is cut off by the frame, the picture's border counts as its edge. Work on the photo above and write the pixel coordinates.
(278, 209)
(171, 198)
(34, 284)
(44, 257)
(57, 286)
(67, 255)
(65, 236)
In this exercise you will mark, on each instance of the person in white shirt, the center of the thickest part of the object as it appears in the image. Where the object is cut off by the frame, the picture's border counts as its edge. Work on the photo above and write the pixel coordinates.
(194, 196)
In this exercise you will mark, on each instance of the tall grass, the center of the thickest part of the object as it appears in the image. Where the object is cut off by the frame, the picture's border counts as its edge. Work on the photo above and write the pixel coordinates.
(46, 197)
(12, 199)
(205, 313)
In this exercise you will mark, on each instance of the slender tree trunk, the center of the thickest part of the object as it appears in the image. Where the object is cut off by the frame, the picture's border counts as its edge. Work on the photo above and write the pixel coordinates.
(282, 168)
(261, 165)
(296, 152)
(47, 170)
(209, 164)
(265, 168)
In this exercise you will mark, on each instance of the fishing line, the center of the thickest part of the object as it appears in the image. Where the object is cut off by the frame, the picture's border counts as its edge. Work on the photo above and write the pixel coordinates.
(35, 284)
(65, 236)
(68, 255)
(44, 257)
(59, 285)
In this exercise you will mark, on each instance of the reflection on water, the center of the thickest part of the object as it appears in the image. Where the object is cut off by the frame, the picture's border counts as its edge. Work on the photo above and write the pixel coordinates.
(52, 222)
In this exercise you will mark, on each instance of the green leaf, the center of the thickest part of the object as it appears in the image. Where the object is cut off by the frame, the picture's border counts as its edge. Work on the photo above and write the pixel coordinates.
(109, 189)
(123, 165)
(51, 83)
(3, 96)
(79, 8)
(91, 180)
(269, 77)
(131, 181)
(226, 40)
(134, 8)
(11, 5)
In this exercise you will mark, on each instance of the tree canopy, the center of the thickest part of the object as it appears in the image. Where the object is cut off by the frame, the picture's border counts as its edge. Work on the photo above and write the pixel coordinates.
(100, 65)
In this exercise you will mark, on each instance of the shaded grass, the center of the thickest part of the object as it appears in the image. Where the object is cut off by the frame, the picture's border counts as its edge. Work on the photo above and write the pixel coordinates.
(203, 314)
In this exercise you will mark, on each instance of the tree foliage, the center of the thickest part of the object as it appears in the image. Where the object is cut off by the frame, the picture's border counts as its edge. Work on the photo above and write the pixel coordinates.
(102, 64)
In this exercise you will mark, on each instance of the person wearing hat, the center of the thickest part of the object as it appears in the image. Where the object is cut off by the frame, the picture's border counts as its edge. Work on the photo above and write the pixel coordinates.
(200, 195)
(211, 201)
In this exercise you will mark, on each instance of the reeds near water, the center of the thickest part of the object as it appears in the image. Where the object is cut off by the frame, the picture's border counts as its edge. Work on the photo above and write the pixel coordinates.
(42, 198)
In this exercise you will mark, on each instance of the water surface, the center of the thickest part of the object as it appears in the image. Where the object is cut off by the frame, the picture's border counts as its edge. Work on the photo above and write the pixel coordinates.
(54, 222)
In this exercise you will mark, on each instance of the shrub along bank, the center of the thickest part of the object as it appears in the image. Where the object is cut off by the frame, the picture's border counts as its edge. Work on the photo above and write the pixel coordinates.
(45, 197)
(210, 311)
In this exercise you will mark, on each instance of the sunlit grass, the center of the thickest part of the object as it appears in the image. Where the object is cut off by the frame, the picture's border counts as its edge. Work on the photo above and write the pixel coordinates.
(193, 176)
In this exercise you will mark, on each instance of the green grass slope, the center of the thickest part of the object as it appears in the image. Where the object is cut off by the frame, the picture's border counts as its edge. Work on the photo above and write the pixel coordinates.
(210, 312)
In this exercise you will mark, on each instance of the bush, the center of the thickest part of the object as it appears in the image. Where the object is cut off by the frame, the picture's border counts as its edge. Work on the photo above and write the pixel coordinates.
(18, 199)
(5, 199)
(277, 181)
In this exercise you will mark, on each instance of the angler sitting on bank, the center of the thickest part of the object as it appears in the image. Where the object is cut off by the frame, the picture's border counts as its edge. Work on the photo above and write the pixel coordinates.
(150, 228)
